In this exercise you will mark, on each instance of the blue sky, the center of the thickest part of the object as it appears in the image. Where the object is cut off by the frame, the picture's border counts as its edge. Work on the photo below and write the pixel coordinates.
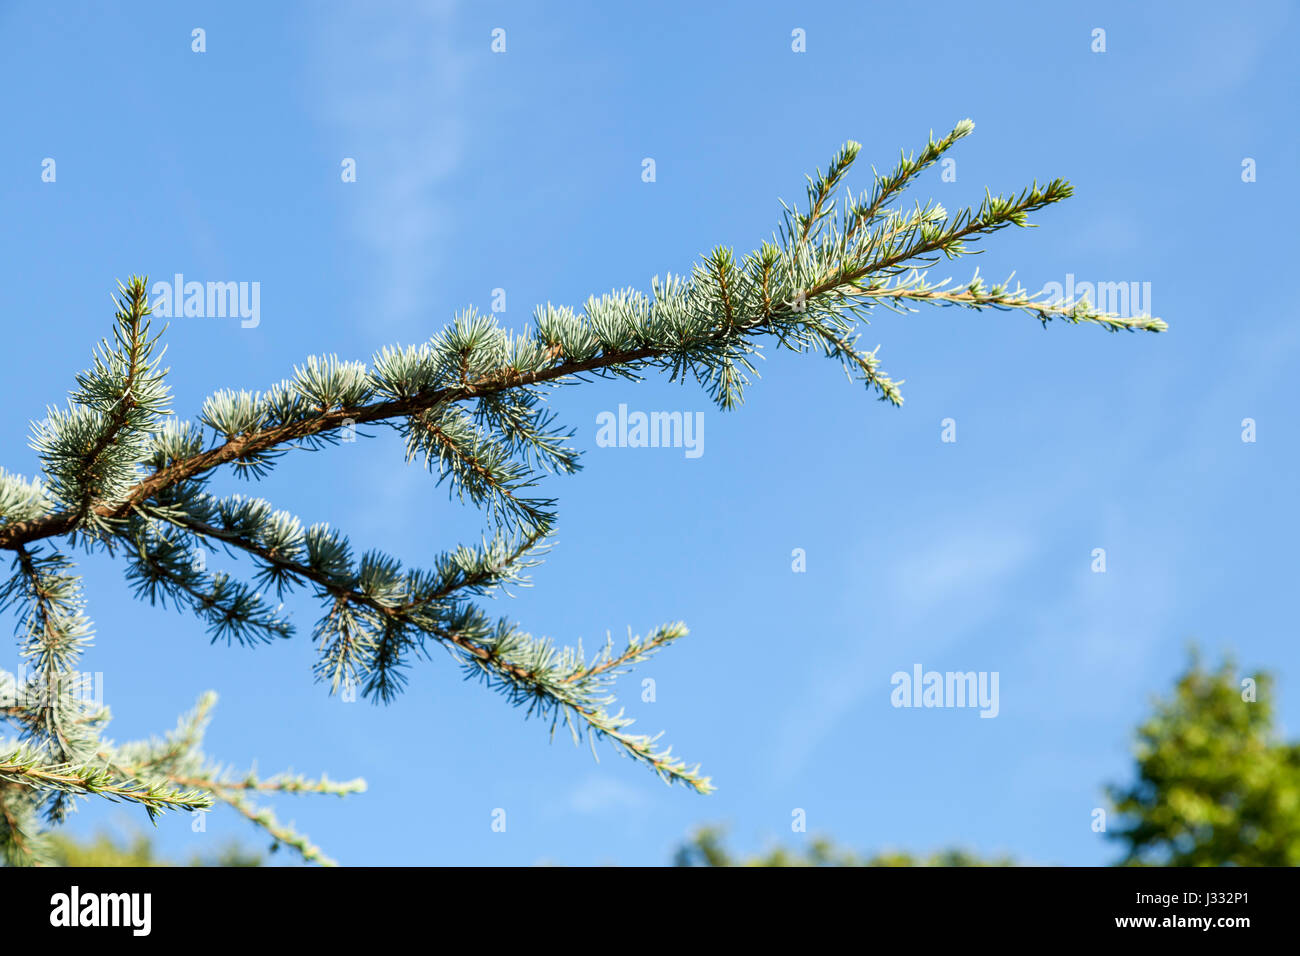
(522, 171)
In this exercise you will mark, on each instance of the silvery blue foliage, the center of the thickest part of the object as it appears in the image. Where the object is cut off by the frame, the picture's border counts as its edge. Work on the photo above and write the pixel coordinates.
(121, 475)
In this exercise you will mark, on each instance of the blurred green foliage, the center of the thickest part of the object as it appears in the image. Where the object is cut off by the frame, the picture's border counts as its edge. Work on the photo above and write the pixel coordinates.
(706, 849)
(136, 850)
(1215, 784)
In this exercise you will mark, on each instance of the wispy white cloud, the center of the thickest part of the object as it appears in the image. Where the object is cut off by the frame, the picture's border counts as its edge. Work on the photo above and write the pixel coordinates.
(1219, 48)
(391, 84)
(602, 793)
(956, 566)
(962, 574)
(1104, 632)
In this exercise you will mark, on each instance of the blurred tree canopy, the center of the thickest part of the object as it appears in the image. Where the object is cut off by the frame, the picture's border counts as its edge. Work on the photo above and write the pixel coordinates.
(137, 850)
(1215, 784)
(706, 849)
